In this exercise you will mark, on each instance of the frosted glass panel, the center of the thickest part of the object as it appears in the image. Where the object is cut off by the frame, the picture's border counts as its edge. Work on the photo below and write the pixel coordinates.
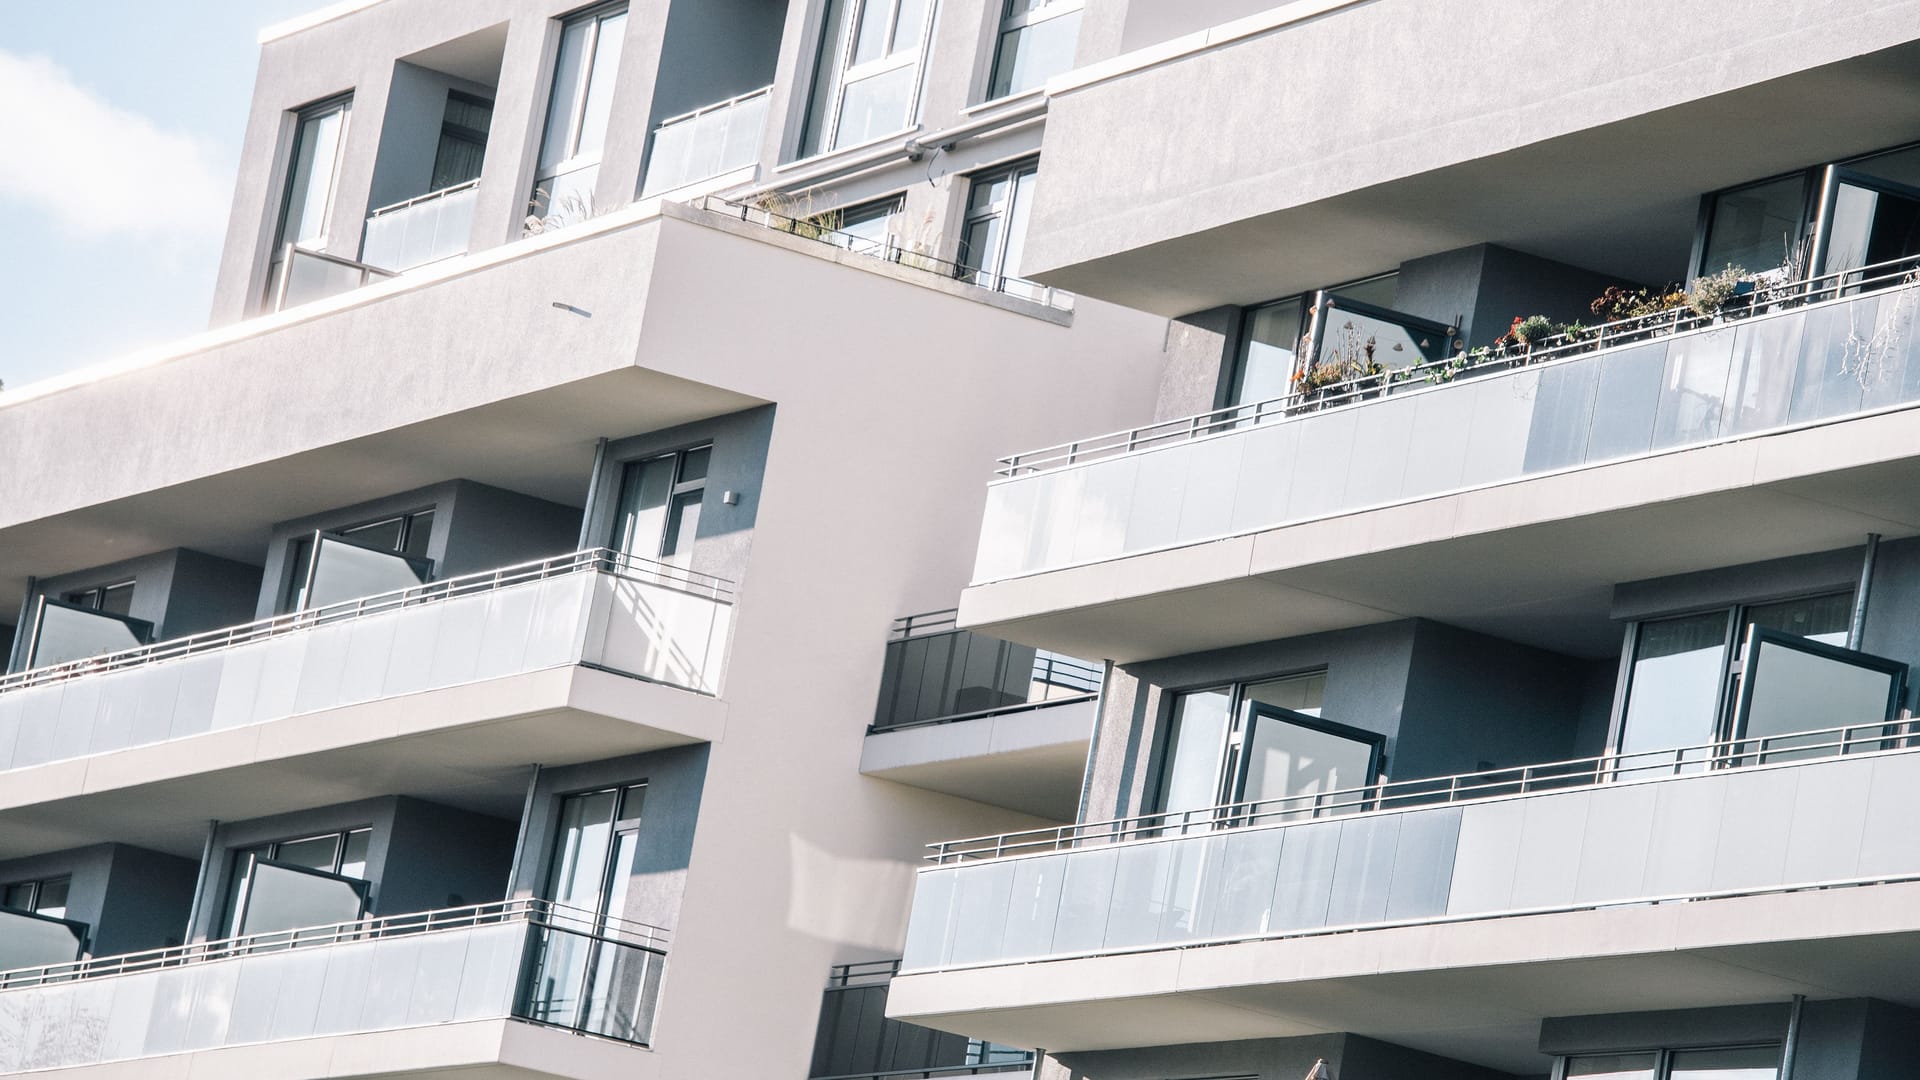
(628, 625)
(1416, 440)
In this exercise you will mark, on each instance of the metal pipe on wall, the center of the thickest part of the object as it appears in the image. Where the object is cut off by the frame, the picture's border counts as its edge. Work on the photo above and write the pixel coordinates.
(1858, 630)
(1793, 1037)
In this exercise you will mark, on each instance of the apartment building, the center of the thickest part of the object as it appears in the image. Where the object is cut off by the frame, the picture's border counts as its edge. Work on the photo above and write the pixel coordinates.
(460, 659)
(1456, 622)
(1509, 591)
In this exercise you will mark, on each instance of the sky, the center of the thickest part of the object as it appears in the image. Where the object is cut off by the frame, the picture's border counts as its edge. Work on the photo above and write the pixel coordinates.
(120, 128)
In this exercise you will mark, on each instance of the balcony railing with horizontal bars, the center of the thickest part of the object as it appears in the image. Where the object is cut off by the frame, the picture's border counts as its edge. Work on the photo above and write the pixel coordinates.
(709, 141)
(518, 959)
(887, 248)
(1446, 790)
(1788, 357)
(1796, 813)
(420, 230)
(935, 673)
(596, 608)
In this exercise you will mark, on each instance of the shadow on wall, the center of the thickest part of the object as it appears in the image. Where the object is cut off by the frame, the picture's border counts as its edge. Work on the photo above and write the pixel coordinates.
(846, 900)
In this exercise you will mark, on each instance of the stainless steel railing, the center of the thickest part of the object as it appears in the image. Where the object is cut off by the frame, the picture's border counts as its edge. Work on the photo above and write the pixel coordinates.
(539, 913)
(592, 560)
(1442, 790)
(886, 249)
(335, 274)
(1766, 297)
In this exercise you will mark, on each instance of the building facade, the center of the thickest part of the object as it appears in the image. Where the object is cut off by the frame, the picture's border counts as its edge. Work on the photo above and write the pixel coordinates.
(1458, 626)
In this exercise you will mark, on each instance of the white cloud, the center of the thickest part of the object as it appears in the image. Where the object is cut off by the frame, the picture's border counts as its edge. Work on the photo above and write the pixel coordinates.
(97, 168)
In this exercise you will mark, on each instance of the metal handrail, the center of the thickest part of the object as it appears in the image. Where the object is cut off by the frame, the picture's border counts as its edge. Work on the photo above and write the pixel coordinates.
(887, 250)
(1388, 796)
(541, 913)
(404, 203)
(601, 560)
(936, 1072)
(367, 270)
(715, 107)
(1000, 710)
(862, 973)
(926, 622)
(1766, 298)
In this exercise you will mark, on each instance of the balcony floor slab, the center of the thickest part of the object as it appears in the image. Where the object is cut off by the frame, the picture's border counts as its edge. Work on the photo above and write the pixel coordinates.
(1031, 760)
(465, 745)
(1474, 990)
(472, 1050)
(1533, 559)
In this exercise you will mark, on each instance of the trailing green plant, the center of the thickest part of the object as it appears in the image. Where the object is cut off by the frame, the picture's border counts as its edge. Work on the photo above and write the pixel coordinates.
(1711, 292)
(1617, 302)
(795, 214)
(1533, 329)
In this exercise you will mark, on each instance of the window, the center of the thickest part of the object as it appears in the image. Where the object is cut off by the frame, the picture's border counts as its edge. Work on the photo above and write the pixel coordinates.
(402, 534)
(314, 172)
(594, 857)
(1037, 39)
(865, 229)
(1357, 323)
(1737, 1063)
(115, 599)
(463, 140)
(343, 854)
(592, 864)
(995, 233)
(577, 111)
(1263, 742)
(1684, 672)
(867, 81)
(48, 896)
(1755, 227)
(659, 512)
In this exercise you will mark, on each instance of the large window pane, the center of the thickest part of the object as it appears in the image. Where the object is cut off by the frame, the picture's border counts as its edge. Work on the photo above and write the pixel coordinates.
(569, 71)
(1678, 666)
(1747, 1063)
(1825, 619)
(345, 571)
(1298, 762)
(70, 633)
(1268, 359)
(1298, 693)
(1754, 227)
(1612, 1067)
(580, 869)
(1033, 51)
(285, 898)
(30, 941)
(310, 182)
(599, 103)
(1190, 774)
(876, 105)
(1794, 687)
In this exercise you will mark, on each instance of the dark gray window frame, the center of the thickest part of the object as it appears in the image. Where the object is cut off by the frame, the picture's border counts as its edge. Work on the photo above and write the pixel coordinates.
(1724, 703)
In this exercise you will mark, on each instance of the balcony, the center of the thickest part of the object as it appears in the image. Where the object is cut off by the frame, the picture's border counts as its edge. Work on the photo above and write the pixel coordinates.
(344, 993)
(1610, 884)
(1610, 182)
(707, 142)
(468, 672)
(1398, 458)
(307, 276)
(417, 231)
(969, 715)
